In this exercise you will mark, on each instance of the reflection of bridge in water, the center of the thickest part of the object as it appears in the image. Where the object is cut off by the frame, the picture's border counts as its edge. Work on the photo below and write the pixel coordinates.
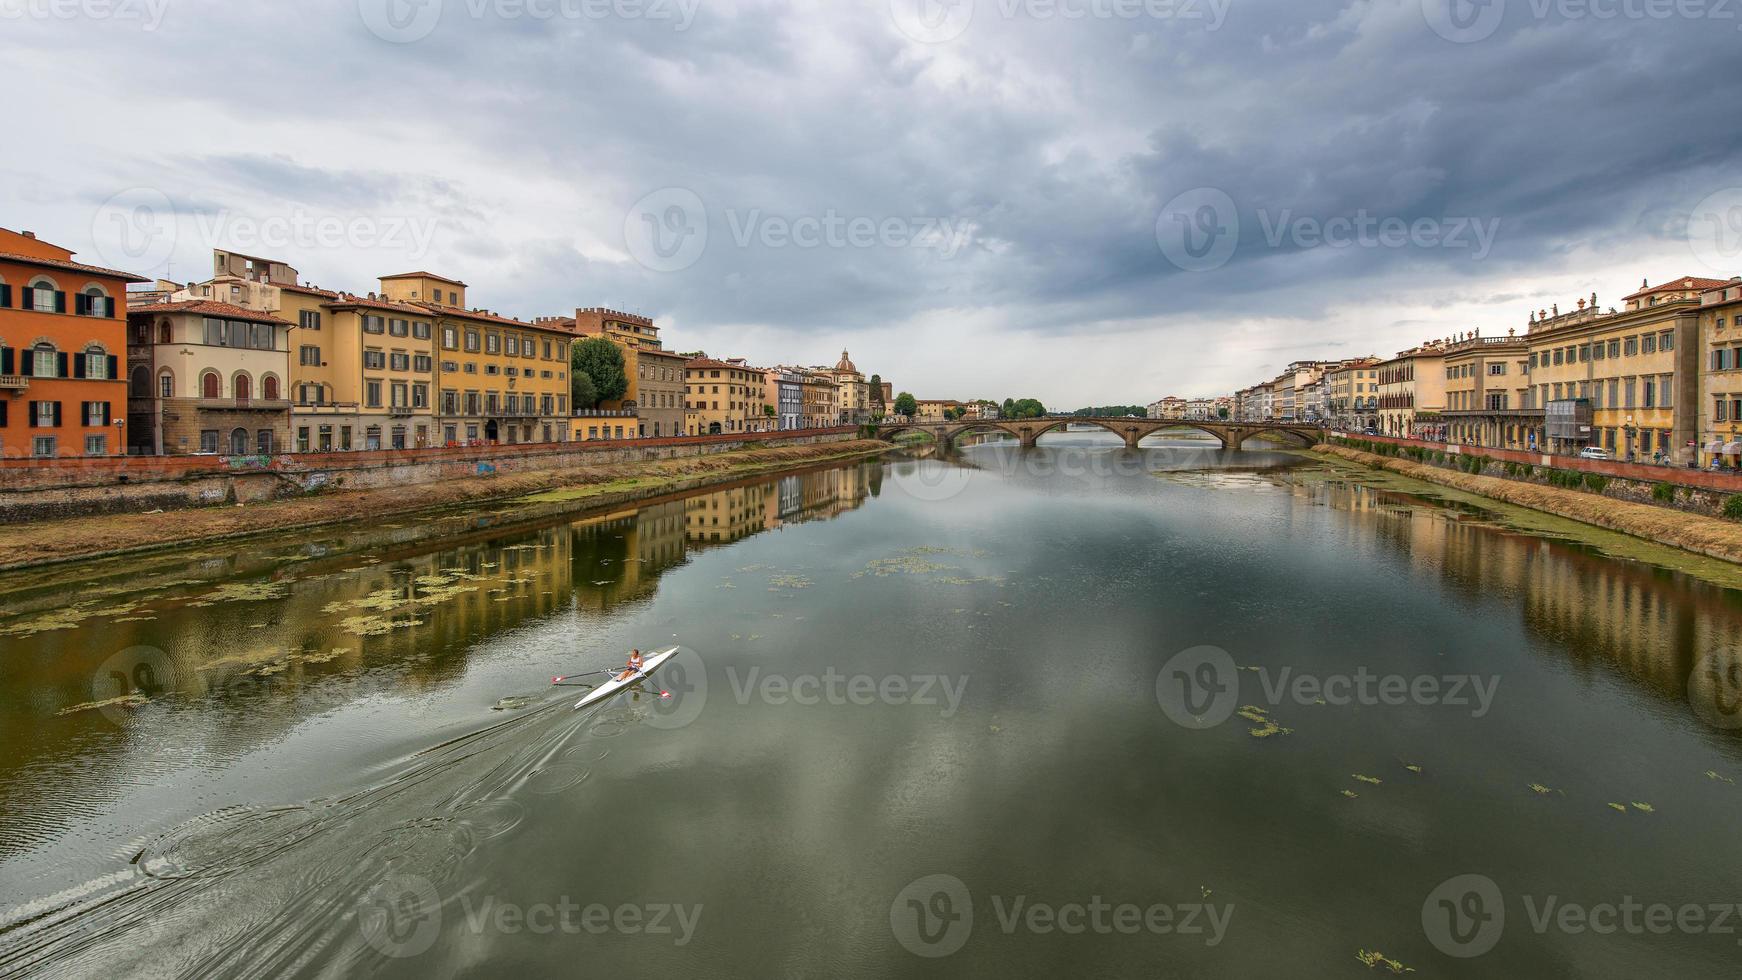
(1232, 435)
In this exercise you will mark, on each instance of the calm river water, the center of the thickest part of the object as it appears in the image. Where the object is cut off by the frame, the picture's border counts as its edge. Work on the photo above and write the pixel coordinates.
(1065, 712)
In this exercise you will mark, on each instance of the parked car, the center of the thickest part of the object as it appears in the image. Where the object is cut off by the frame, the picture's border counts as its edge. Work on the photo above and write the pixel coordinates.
(1595, 452)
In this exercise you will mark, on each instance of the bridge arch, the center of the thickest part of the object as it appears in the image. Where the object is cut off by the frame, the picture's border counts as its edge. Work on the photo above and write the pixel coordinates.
(1300, 437)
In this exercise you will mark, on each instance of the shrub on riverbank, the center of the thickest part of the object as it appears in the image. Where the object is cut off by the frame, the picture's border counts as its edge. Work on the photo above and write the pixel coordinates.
(1733, 507)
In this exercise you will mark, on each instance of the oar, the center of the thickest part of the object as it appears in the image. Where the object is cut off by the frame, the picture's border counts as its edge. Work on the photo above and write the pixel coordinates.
(559, 680)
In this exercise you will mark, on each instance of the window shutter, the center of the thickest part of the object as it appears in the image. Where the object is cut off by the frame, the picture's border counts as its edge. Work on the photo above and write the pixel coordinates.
(5, 362)
(114, 367)
(27, 299)
(60, 301)
(33, 416)
(107, 419)
(5, 295)
(81, 304)
(78, 366)
(26, 362)
(60, 365)
(109, 307)
(57, 422)
(3, 414)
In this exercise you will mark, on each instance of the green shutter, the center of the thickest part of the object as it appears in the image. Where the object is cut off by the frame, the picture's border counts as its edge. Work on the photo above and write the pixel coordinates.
(114, 368)
(57, 421)
(5, 362)
(60, 301)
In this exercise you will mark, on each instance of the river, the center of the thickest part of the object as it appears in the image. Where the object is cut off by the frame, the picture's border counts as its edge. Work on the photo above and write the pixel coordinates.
(1064, 711)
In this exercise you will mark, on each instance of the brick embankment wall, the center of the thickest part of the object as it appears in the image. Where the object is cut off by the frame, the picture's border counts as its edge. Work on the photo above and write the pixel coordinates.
(1699, 533)
(32, 490)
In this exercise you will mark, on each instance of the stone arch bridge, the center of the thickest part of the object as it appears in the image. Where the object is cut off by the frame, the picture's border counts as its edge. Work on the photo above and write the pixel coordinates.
(1027, 431)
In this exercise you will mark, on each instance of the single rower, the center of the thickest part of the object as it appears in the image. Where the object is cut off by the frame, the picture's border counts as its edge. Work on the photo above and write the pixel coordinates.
(634, 666)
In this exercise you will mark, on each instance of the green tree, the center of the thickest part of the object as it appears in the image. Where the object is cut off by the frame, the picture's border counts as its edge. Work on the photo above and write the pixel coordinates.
(1026, 408)
(906, 405)
(877, 389)
(602, 362)
(582, 394)
(1008, 409)
(1222, 411)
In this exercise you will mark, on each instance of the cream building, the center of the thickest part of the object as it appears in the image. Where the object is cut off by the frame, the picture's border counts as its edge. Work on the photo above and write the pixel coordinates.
(1412, 392)
(1720, 362)
(1488, 393)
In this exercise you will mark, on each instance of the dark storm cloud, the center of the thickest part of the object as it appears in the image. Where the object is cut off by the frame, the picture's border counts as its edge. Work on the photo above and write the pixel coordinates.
(1030, 157)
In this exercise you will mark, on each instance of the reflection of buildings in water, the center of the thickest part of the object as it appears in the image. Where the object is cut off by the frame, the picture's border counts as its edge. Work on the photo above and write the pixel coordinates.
(1640, 620)
(738, 512)
(728, 515)
(620, 557)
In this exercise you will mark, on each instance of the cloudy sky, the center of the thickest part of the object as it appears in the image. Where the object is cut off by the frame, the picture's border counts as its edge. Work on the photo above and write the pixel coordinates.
(1087, 201)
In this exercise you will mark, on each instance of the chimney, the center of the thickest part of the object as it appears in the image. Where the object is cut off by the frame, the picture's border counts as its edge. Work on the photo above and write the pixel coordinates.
(30, 235)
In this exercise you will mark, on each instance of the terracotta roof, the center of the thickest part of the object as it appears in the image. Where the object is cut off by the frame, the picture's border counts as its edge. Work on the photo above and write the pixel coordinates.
(342, 300)
(311, 290)
(95, 270)
(709, 362)
(1676, 285)
(206, 307)
(482, 317)
(426, 275)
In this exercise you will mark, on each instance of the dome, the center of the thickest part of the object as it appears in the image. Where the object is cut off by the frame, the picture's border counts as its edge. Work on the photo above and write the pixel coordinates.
(846, 365)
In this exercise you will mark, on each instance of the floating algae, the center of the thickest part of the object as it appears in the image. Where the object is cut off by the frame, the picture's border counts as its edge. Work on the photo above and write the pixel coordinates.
(124, 701)
(1714, 775)
(1267, 726)
(789, 582)
(1542, 790)
(1351, 794)
(903, 566)
(1412, 767)
(247, 592)
(1644, 807)
(1371, 780)
(1618, 808)
(1376, 958)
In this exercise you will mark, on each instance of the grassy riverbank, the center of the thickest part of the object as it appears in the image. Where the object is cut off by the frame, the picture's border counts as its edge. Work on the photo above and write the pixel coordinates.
(77, 539)
(1710, 536)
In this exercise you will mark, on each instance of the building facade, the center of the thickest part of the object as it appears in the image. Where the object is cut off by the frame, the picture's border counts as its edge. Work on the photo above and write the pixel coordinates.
(657, 377)
(1720, 408)
(218, 377)
(853, 392)
(1489, 398)
(1412, 391)
(63, 334)
(721, 396)
(1352, 394)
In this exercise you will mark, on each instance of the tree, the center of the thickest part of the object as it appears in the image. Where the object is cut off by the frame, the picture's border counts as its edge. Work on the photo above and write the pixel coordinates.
(906, 405)
(877, 389)
(582, 394)
(1221, 411)
(602, 362)
(1008, 409)
(1025, 408)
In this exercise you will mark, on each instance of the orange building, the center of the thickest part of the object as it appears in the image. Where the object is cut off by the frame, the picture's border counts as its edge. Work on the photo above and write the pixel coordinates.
(63, 330)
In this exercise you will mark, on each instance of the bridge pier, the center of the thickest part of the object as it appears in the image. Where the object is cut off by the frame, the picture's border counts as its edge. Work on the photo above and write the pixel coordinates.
(1132, 438)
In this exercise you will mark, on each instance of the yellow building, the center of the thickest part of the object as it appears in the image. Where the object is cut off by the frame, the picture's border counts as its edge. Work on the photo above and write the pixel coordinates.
(362, 372)
(937, 409)
(657, 377)
(1352, 393)
(498, 380)
(1488, 393)
(853, 392)
(1624, 381)
(1412, 393)
(1720, 362)
(723, 396)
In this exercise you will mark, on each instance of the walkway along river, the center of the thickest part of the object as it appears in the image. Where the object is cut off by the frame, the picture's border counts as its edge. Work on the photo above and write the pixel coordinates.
(1060, 711)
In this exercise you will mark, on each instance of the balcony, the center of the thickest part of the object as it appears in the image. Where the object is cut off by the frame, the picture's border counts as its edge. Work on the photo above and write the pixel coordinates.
(13, 382)
(325, 408)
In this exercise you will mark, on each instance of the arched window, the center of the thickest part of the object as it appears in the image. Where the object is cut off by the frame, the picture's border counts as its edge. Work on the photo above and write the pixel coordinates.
(139, 386)
(166, 384)
(95, 363)
(44, 296)
(244, 387)
(45, 361)
(163, 333)
(239, 442)
(94, 301)
(269, 388)
(209, 385)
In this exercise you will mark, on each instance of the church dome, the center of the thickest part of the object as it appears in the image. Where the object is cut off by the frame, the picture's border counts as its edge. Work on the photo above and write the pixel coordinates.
(846, 365)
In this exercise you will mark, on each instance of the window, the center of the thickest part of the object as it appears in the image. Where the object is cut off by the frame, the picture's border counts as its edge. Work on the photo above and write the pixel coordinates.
(472, 341)
(372, 396)
(1719, 410)
(96, 414)
(208, 440)
(492, 343)
(421, 363)
(1648, 344)
(450, 338)
(400, 393)
(42, 446)
(399, 328)
(45, 361)
(1650, 391)
(513, 346)
(400, 361)
(97, 365)
(1497, 368)
(1598, 351)
(1614, 348)
(269, 388)
(420, 330)
(373, 324)
(1630, 346)
(92, 302)
(244, 386)
(309, 320)
(420, 395)
(42, 297)
(310, 356)
(1666, 340)
(374, 360)
(45, 415)
(1559, 355)
(96, 445)
(166, 385)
